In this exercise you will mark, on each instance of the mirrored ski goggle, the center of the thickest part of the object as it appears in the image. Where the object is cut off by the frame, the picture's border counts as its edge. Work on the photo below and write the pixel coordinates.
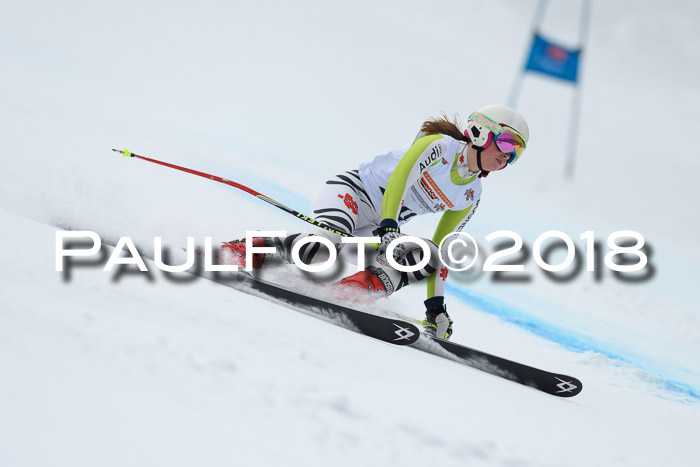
(508, 140)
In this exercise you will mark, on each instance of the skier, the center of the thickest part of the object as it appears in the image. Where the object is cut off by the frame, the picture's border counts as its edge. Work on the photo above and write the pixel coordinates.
(440, 172)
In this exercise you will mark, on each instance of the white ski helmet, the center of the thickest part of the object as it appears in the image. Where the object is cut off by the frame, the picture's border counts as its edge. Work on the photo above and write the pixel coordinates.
(502, 124)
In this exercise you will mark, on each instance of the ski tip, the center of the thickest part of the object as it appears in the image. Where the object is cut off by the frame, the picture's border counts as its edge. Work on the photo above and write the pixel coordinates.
(567, 386)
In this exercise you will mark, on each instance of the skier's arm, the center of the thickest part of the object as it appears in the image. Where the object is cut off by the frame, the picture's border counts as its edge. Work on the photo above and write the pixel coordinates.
(451, 221)
(407, 171)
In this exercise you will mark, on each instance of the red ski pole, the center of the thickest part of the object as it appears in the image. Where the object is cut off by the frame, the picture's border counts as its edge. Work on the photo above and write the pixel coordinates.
(127, 153)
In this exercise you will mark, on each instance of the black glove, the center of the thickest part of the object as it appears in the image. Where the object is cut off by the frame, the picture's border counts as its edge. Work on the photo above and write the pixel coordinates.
(387, 225)
(389, 231)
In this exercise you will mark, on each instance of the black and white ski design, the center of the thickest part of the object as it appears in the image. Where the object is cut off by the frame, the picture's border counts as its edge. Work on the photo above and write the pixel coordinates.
(551, 383)
(403, 331)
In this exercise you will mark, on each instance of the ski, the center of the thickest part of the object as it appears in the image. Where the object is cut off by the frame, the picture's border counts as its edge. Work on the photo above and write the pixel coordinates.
(399, 330)
(403, 330)
(552, 383)
(392, 330)
(556, 384)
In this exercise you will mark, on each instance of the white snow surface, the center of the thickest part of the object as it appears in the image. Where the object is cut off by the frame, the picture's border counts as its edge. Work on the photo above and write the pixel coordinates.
(134, 369)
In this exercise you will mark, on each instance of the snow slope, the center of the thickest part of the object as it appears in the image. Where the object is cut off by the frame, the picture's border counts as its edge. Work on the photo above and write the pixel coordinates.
(108, 370)
(113, 372)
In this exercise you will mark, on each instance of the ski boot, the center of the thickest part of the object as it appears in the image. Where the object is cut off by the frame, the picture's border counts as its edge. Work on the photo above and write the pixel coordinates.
(368, 280)
(236, 250)
(437, 322)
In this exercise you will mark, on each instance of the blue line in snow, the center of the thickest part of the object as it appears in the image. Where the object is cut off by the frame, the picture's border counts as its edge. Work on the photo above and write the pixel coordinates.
(563, 337)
